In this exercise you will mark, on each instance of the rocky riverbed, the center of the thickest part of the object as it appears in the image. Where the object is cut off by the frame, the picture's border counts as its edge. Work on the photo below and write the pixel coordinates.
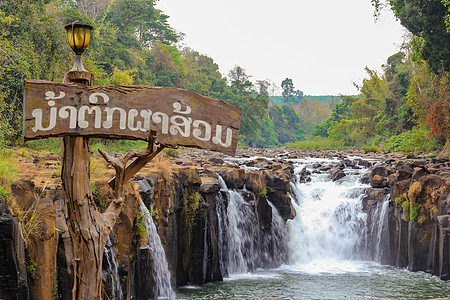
(181, 192)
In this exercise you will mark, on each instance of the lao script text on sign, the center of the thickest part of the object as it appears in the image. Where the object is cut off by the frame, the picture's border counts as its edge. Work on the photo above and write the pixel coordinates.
(178, 117)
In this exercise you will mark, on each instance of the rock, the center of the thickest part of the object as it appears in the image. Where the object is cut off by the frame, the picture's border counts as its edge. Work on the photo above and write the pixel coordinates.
(24, 194)
(304, 176)
(363, 163)
(216, 160)
(234, 177)
(277, 180)
(254, 181)
(42, 248)
(210, 185)
(379, 176)
(419, 172)
(13, 275)
(336, 174)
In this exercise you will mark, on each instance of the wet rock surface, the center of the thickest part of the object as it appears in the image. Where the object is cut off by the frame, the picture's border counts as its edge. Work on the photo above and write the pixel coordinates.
(183, 192)
(417, 231)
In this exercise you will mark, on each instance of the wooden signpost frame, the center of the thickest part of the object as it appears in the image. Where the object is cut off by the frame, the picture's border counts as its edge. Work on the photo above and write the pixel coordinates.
(89, 228)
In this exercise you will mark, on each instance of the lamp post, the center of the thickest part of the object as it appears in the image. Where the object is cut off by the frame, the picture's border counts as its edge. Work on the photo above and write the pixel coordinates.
(79, 205)
(78, 36)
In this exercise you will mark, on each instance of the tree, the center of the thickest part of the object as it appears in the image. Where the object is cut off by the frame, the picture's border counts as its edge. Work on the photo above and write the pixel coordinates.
(240, 80)
(290, 95)
(141, 18)
(30, 47)
(425, 19)
(286, 124)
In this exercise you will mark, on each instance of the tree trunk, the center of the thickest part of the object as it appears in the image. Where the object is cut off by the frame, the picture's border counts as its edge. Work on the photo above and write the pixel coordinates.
(85, 222)
(88, 227)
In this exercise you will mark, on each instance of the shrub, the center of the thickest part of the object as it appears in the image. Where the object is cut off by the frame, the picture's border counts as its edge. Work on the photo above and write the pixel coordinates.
(414, 213)
(49, 145)
(411, 141)
(8, 169)
(372, 148)
(162, 162)
(405, 207)
(319, 143)
(191, 201)
(172, 152)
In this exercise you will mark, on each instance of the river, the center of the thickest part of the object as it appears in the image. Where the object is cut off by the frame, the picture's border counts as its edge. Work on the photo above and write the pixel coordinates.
(327, 257)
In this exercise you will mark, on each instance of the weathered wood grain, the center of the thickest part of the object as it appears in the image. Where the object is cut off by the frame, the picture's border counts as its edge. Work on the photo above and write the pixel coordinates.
(178, 117)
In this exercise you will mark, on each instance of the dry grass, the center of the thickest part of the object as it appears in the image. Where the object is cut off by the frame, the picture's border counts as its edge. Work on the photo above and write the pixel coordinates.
(162, 162)
(414, 191)
(99, 169)
(30, 221)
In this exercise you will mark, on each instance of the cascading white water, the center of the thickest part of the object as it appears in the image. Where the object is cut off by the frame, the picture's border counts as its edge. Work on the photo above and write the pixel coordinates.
(239, 231)
(382, 217)
(110, 272)
(327, 230)
(242, 248)
(161, 273)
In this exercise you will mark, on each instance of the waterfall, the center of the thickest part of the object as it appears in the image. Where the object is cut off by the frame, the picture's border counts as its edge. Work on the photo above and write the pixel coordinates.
(328, 229)
(275, 250)
(376, 248)
(242, 247)
(238, 229)
(161, 273)
(110, 273)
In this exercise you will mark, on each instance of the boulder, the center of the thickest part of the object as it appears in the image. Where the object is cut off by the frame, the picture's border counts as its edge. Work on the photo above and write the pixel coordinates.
(304, 176)
(24, 193)
(336, 174)
(13, 274)
(254, 181)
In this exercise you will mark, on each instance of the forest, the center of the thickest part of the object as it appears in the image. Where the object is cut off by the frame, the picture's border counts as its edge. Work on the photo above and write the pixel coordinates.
(406, 107)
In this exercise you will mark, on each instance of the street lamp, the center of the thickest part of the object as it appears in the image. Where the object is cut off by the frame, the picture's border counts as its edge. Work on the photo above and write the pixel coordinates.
(78, 36)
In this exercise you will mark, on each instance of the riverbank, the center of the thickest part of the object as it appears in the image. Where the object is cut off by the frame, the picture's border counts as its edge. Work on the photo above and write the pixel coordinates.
(182, 195)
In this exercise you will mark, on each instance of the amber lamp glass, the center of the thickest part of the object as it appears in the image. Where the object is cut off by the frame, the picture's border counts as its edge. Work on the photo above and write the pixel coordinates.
(78, 36)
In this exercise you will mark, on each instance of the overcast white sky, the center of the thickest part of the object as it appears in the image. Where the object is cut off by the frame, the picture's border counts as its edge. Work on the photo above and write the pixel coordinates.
(322, 45)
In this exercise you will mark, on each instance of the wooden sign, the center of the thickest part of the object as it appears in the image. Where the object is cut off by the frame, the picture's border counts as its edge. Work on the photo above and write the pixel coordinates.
(178, 117)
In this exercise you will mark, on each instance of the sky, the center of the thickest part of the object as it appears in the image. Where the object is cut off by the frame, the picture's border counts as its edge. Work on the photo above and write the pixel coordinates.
(322, 45)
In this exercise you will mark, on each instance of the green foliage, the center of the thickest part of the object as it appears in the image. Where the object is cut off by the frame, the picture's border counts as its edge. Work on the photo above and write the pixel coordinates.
(399, 201)
(191, 202)
(286, 124)
(117, 145)
(290, 95)
(31, 268)
(155, 214)
(141, 230)
(263, 192)
(414, 213)
(429, 21)
(371, 148)
(406, 209)
(49, 145)
(415, 140)
(4, 195)
(172, 152)
(8, 170)
(318, 143)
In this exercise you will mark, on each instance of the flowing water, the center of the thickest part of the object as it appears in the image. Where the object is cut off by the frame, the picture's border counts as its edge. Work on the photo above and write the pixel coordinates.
(161, 274)
(326, 250)
(110, 273)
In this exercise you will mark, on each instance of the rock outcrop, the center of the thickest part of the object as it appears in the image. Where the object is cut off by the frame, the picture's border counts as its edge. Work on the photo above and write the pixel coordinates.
(415, 229)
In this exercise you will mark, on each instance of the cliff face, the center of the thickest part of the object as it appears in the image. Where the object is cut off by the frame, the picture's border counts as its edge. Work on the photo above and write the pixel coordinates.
(415, 227)
(182, 196)
(187, 199)
(187, 218)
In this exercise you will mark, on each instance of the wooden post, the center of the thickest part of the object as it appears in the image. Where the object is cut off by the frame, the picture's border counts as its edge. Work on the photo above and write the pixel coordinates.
(81, 211)
(88, 227)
